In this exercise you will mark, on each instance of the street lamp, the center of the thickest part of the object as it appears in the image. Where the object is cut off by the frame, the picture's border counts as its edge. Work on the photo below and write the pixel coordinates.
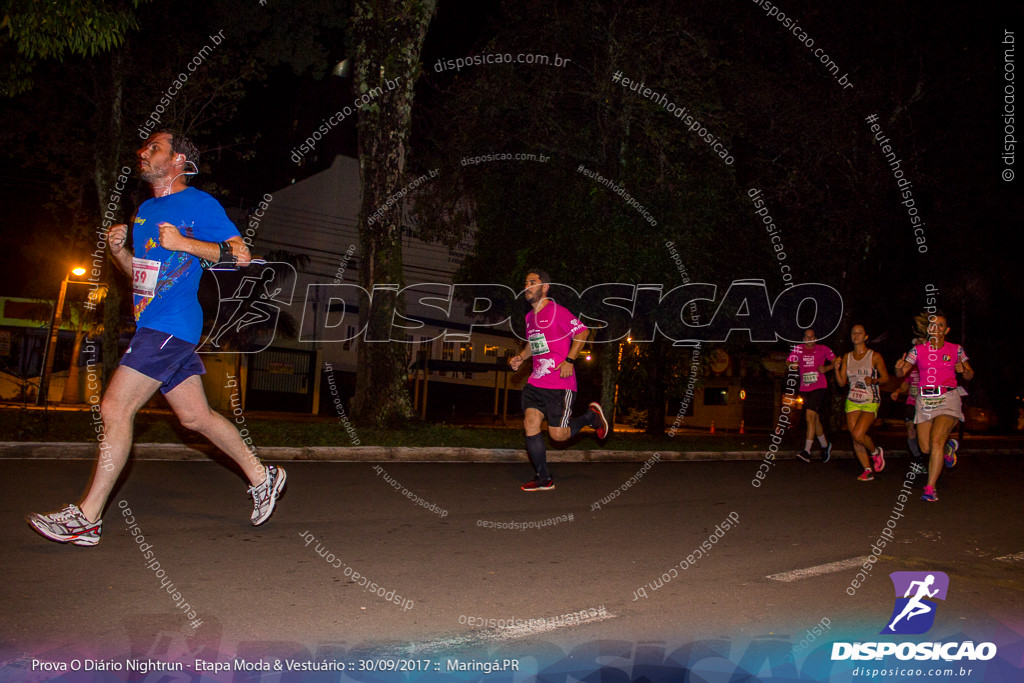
(51, 339)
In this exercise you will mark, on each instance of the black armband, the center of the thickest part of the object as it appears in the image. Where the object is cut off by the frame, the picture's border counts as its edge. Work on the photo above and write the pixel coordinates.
(226, 259)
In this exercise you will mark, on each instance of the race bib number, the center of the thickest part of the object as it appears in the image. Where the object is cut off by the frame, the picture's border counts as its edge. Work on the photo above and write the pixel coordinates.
(930, 403)
(859, 392)
(145, 273)
(810, 378)
(538, 344)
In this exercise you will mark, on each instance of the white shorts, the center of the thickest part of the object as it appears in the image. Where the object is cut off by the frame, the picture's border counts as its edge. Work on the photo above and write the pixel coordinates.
(930, 407)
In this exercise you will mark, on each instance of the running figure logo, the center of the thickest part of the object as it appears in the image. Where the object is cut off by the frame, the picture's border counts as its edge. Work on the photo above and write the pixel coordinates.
(914, 612)
(247, 320)
(544, 366)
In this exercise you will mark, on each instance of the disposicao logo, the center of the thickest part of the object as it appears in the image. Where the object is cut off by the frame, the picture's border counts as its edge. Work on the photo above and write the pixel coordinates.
(914, 614)
(916, 592)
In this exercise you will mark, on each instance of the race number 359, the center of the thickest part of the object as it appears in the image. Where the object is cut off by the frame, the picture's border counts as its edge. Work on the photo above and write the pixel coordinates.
(145, 273)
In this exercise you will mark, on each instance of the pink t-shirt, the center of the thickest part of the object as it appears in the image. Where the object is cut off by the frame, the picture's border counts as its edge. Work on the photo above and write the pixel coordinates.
(937, 366)
(550, 334)
(810, 361)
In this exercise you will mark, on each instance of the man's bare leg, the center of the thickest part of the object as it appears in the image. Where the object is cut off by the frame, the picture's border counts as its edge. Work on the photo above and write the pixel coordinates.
(188, 400)
(128, 391)
(266, 483)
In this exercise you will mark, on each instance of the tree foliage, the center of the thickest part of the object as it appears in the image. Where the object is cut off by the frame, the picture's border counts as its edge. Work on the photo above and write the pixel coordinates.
(32, 31)
(797, 133)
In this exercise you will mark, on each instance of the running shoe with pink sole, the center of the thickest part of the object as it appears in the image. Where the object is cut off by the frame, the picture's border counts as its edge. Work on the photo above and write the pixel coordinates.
(949, 453)
(878, 459)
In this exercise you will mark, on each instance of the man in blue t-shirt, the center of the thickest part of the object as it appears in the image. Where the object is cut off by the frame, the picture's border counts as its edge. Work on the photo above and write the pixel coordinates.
(174, 233)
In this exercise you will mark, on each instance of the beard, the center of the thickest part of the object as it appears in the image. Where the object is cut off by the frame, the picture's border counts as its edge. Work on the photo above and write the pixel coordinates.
(151, 173)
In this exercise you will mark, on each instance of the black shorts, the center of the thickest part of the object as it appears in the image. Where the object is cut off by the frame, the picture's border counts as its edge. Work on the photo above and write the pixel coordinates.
(555, 404)
(813, 400)
(909, 412)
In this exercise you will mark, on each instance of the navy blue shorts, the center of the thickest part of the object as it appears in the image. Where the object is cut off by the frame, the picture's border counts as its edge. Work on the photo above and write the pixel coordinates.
(162, 357)
(555, 404)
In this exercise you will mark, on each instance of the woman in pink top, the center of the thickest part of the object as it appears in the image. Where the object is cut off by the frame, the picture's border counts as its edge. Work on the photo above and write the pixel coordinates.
(938, 400)
(813, 360)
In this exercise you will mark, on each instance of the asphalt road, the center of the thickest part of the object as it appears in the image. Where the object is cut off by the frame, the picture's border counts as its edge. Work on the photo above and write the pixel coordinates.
(453, 584)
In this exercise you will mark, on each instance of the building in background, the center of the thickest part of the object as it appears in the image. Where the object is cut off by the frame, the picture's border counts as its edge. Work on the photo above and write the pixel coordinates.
(458, 369)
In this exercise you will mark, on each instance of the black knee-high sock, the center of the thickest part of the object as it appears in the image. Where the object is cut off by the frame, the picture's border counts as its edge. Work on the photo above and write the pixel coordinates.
(915, 449)
(538, 453)
(587, 419)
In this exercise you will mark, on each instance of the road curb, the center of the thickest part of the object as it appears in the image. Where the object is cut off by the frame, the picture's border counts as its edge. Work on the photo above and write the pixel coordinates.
(401, 454)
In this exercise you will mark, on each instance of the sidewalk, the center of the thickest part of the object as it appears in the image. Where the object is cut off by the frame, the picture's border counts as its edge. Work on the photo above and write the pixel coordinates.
(438, 454)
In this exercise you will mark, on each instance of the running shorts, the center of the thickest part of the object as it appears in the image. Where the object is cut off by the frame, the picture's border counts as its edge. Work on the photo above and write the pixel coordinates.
(555, 404)
(162, 357)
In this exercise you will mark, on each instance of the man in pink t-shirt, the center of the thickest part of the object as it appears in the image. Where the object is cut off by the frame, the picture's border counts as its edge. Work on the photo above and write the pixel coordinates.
(554, 339)
(813, 361)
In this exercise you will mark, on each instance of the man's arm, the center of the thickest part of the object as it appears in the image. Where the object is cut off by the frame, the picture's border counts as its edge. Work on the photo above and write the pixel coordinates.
(565, 368)
(116, 237)
(515, 361)
(172, 240)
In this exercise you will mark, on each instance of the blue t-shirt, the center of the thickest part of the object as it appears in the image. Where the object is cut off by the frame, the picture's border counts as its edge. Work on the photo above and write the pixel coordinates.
(174, 306)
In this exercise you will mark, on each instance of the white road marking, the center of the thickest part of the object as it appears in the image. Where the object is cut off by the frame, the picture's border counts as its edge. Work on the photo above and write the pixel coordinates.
(818, 570)
(476, 638)
(1016, 557)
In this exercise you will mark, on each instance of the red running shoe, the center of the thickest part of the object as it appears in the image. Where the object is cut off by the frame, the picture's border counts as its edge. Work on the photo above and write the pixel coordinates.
(602, 423)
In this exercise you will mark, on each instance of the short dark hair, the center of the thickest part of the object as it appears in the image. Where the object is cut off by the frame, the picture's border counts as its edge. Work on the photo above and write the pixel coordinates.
(181, 144)
(542, 274)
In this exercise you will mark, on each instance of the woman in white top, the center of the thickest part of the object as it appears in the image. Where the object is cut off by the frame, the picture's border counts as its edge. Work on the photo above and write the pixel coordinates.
(864, 370)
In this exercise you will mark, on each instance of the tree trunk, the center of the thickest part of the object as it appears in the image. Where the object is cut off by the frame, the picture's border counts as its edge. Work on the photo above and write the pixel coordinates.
(108, 79)
(656, 396)
(388, 36)
(609, 360)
